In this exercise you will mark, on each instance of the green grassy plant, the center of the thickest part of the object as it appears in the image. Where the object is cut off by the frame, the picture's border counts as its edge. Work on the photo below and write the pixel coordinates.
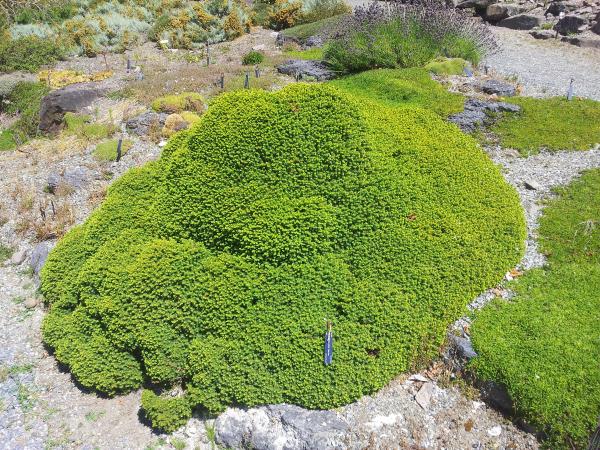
(402, 88)
(24, 100)
(306, 30)
(551, 124)
(84, 127)
(544, 344)
(311, 53)
(7, 140)
(107, 151)
(216, 267)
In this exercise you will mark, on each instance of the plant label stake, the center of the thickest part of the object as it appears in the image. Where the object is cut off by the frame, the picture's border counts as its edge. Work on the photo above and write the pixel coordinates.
(328, 357)
(128, 65)
(247, 80)
(119, 145)
(222, 81)
(570, 91)
(256, 71)
(207, 53)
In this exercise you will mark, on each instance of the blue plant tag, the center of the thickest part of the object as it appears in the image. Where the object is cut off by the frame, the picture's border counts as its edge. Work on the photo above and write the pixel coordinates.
(328, 345)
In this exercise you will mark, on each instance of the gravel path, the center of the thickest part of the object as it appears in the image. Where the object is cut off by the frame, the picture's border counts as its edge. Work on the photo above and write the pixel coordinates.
(544, 68)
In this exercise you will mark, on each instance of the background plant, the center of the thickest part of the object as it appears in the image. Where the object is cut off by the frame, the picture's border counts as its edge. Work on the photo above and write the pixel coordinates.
(405, 35)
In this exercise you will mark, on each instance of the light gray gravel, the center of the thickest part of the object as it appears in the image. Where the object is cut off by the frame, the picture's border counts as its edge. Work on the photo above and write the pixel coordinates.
(544, 68)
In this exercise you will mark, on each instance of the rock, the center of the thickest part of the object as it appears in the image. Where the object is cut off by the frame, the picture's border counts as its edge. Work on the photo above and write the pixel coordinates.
(596, 28)
(543, 34)
(77, 176)
(461, 347)
(54, 181)
(142, 124)
(498, 11)
(307, 68)
(532, 185)
(495, 431)
(31, 303)
(499, 88)
(72, 98)
(556, 8)
(480, 5)
(525, 21)
(476, 112)
(39, 256)
(280, 427)
(314, 41)
(589, 41)
(419, 377)
(570, 24)
(18, 257)
(424, 395)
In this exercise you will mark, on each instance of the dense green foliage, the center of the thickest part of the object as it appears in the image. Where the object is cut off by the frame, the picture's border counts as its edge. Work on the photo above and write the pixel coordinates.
(177, 103)
(165, 413)
(402, 88)
(551, 124)
(544, 344)
(28, 53)
(447, 66)
(217, 266)
(107, 151)
(311, 53)
(253, 57)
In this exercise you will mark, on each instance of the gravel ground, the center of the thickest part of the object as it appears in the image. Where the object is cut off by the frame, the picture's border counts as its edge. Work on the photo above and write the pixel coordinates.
(544, 68)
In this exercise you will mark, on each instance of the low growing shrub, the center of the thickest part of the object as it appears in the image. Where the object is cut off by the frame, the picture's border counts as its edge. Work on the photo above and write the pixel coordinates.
(447, 66)
(165, 413)
(28, 53)
(25, 100)
(84, 127)
(216, 267)
(107, 151)
(405, 35)
(543, 345)
(252, 58)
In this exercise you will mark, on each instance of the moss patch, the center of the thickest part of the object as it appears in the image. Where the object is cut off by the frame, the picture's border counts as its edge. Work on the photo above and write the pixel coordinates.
(7, 141)
(447, 66)
(544, 345)
(551, 124)
(402, 88)
(311, 53)
(216, 266)
(83, 127)
(188, 101)
(304, 31)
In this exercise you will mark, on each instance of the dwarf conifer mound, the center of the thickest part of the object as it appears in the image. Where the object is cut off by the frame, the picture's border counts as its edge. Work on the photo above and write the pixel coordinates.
(216, 267)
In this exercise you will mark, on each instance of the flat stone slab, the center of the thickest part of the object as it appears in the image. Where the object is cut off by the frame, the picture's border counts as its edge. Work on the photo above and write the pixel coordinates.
(307, 68)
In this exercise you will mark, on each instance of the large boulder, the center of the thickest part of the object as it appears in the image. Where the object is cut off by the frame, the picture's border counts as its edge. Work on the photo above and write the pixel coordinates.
(570, 24)
(497, 87)
(596, 27)
(479, 5)
(73, 98)
(142, 124)
(498, 11)
(525, 21)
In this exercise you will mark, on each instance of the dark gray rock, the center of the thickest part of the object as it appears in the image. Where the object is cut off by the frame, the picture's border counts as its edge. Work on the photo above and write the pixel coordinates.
(476, 113)
(570, 24)
(525, 21)
(461, 347)
(280, 427)
(77, 176)
(556, 8)
(39, 256)
(498, 11)
(498, 87)
(307, 68)
(142, 124)
(68, 99)
(589, 41)
(480, 5)
(543, 34)
(54, 181)
(596, 28)
(314, 41)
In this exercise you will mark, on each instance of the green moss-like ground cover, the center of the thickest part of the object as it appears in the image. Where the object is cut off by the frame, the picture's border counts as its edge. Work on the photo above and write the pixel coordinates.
(545, 344)
(402, 88)
(217, 266)
(551, 123)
